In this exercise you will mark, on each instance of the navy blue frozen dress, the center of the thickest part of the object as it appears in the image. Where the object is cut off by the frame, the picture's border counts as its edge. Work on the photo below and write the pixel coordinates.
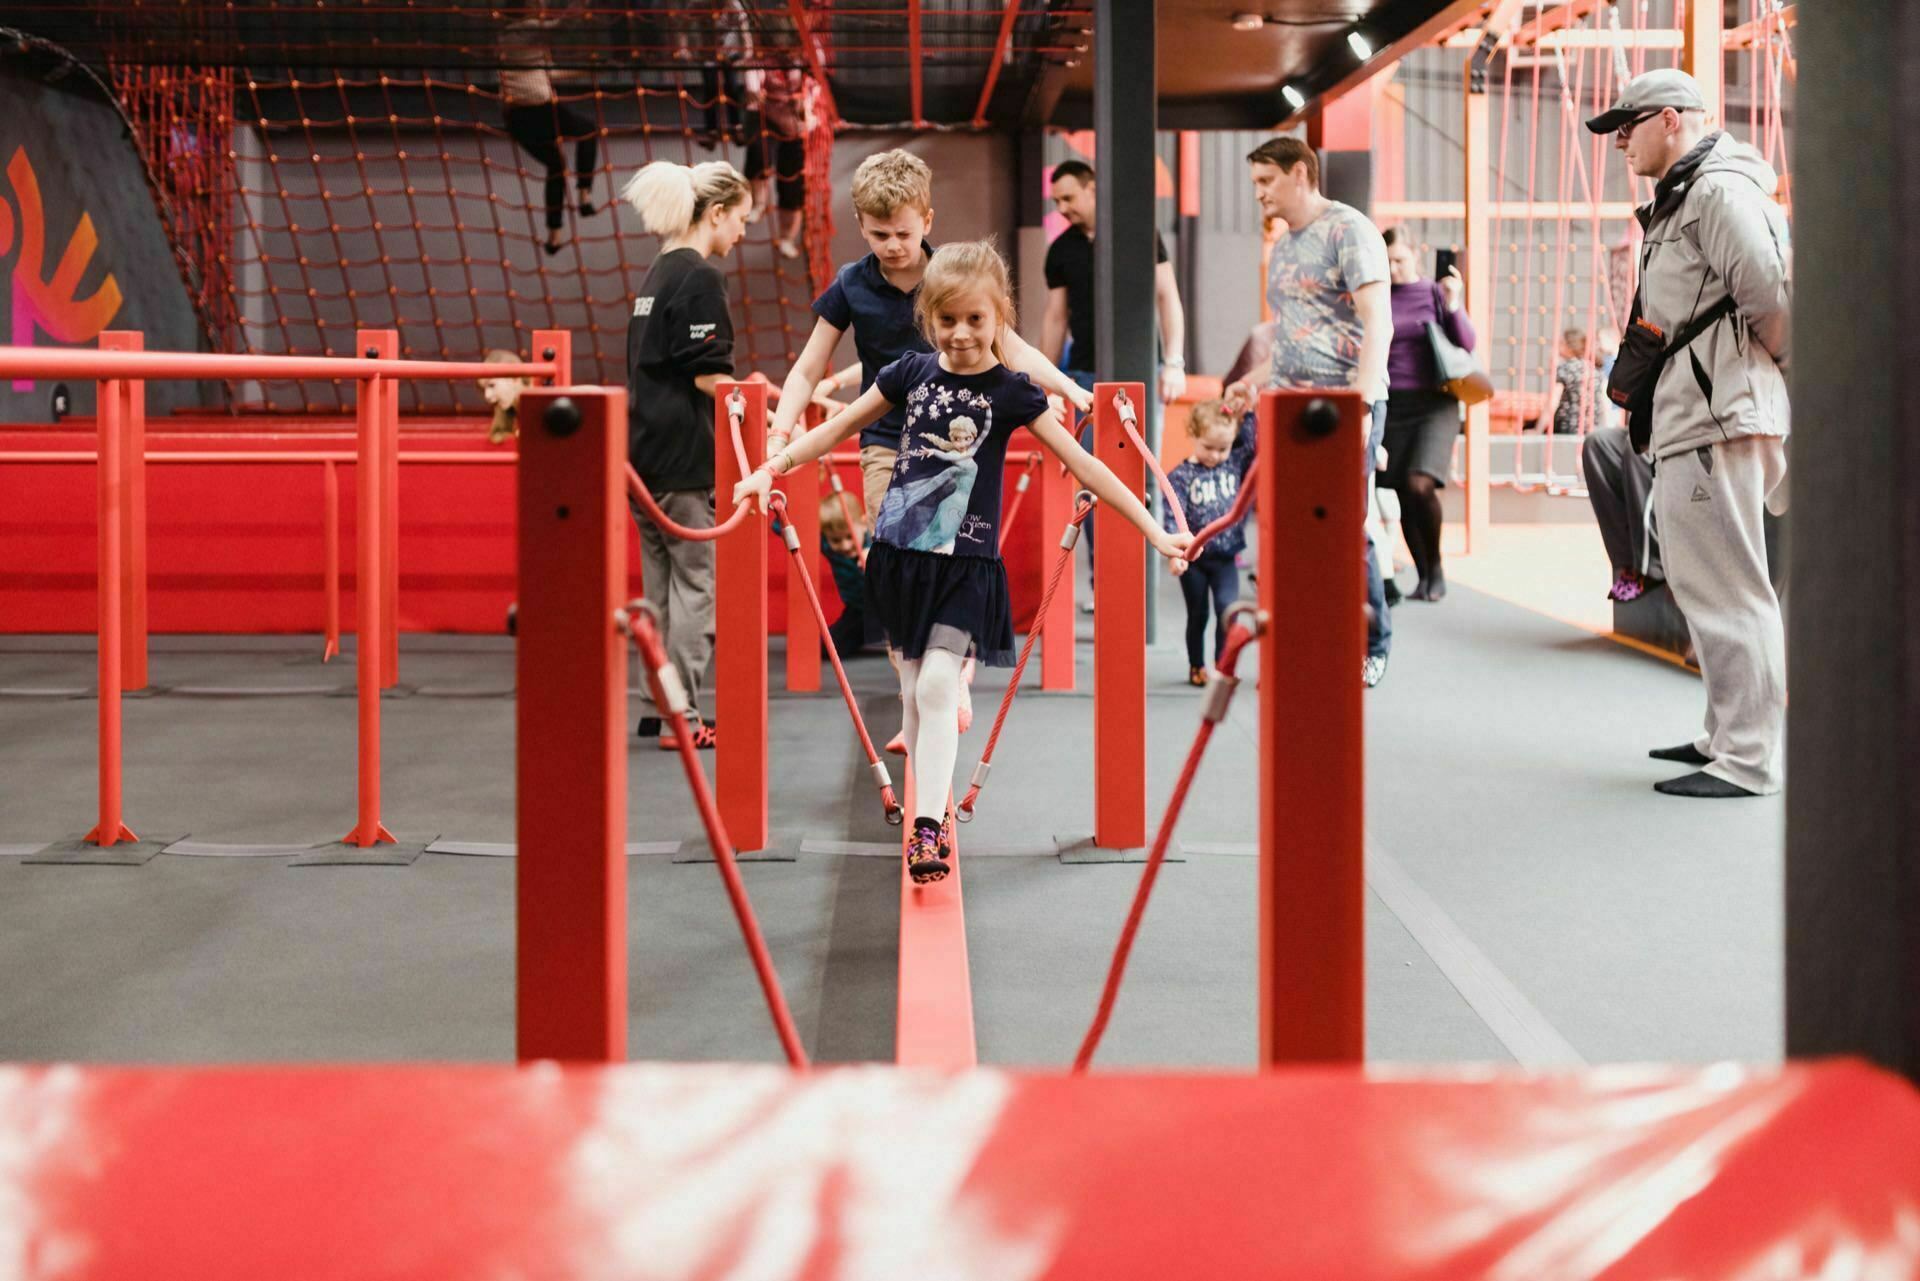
(934, 574)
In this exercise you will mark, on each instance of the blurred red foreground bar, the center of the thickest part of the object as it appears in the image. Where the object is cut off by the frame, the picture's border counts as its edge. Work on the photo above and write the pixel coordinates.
(662, 1171)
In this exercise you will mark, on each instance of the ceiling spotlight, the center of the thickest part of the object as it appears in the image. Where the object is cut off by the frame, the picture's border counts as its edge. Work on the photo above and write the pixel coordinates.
(1248, 22)
(1358, 43)
(1294, 97)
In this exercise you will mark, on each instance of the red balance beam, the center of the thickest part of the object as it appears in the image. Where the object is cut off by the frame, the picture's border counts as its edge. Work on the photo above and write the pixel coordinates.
(933, 1021)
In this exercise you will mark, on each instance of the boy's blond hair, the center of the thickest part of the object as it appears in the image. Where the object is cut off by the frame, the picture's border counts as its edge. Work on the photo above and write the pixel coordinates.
(958, 268)
(1206, 416)
(888, 181)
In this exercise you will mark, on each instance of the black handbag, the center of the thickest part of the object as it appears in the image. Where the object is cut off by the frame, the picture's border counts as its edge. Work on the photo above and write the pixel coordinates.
(1460, 375)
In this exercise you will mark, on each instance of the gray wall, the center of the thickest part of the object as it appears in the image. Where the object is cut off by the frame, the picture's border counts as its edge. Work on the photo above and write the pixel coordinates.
(85, 166)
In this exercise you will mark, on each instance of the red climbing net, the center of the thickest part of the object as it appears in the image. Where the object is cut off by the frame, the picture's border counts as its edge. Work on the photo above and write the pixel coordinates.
(306, 205)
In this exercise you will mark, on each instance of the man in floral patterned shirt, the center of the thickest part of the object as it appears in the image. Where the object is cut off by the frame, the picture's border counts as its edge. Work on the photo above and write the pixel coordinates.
(1327, 287)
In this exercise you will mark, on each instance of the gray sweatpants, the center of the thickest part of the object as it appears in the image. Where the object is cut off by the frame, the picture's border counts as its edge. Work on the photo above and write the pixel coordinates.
(678, 579)
(1710, 505)
(1619, 483)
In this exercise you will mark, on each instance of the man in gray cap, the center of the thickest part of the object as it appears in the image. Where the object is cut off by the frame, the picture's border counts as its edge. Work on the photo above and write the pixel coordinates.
(1703, 374)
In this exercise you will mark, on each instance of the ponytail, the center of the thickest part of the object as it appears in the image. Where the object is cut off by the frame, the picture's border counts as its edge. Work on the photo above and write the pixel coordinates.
(670, 198)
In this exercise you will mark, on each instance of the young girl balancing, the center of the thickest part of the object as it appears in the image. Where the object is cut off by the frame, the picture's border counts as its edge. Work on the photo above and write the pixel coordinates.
(934, 576)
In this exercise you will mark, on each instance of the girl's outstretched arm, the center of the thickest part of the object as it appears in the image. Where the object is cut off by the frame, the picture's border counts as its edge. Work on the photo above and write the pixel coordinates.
(1107, 487)
(1024, 358)
(869, 409)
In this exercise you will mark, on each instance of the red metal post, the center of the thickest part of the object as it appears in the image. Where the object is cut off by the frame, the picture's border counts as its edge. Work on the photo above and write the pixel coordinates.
(330, 523)
(556, 345)
(1312, 828)
(133, 524)
(570, 998)
(802, 487)
(369, 591)
(389, 508)
(111, 418)
(1056, 629)
(1119, 641)
(740, 625)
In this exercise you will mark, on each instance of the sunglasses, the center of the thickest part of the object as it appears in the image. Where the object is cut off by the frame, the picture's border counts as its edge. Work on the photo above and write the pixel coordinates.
(1625, 131)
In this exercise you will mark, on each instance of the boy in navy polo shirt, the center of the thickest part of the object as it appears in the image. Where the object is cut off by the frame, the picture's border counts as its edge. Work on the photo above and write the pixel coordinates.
(874, 297)
(893, 204)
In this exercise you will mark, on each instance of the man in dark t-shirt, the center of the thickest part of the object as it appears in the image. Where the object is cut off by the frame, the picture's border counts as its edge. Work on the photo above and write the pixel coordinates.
(1070, 289)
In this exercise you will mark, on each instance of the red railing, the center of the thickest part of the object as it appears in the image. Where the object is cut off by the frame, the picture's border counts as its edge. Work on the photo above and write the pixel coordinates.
(122, 370)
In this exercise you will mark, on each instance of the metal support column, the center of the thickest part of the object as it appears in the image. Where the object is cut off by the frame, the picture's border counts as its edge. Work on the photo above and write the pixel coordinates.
(1853, 614)
(1478, 246)
(1125, 101)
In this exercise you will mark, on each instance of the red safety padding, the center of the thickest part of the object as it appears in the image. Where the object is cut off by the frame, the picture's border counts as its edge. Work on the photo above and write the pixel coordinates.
(714, 1171)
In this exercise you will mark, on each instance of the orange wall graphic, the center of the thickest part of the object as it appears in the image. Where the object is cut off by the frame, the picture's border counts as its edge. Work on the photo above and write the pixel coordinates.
(51, 306)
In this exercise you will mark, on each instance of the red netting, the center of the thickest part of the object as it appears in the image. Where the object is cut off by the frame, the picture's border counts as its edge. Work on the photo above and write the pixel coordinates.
(317, 205)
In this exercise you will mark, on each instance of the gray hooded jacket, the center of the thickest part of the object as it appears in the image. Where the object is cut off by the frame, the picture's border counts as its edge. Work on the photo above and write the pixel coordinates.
(1714, 230)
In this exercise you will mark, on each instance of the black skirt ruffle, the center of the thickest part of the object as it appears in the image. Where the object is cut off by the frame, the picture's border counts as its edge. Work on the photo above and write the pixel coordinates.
(923, 598)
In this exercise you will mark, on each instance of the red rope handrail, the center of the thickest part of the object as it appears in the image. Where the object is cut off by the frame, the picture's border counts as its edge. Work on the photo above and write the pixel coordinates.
(643, 626)
(736, 411)
(777, 504)
(1242, 503)
(1069, 538)
(1129, 426)
(1020, 488)
(1219, 697)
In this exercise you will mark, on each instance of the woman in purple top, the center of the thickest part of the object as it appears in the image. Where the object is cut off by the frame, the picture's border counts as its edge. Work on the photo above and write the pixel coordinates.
(1422, 418)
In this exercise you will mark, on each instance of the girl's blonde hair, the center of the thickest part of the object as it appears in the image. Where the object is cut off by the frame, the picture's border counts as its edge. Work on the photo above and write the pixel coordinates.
(506, 418)
(670, 198)
(960, 268)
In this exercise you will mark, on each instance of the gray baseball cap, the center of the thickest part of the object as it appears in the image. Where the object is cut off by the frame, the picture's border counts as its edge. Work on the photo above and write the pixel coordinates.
(1650, 92)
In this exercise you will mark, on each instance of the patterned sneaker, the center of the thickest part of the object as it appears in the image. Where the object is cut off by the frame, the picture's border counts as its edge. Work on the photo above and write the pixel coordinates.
(1373, 669)
(1627, 585)
(927, 852)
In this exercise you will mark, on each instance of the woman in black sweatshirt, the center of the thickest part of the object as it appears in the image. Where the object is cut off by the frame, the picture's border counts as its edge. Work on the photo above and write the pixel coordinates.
(679, 348)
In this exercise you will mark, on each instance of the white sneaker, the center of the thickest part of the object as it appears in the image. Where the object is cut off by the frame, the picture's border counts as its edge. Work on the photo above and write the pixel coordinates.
(1373, 669)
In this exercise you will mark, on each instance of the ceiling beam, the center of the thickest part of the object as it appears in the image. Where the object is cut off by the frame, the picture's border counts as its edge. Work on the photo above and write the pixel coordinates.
(914, 69)
(993, 66)
(1422, 35)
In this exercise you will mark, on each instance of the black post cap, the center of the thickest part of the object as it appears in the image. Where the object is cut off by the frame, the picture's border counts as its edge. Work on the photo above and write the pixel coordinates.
(562, 417)
(1319, 417)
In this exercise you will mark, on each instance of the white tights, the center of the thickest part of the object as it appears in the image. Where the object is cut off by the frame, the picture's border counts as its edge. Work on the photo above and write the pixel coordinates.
(930, 702)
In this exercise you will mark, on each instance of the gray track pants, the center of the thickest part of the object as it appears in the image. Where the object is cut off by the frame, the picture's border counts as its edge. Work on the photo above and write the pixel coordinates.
(678, 578)
(1619, 484)
(1710, 505)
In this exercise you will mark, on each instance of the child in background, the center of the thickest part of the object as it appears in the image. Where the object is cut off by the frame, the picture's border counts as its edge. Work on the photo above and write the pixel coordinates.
(1574, 398)
(503, 397)
(1207, 485)
(841, 544)
(934, 577)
